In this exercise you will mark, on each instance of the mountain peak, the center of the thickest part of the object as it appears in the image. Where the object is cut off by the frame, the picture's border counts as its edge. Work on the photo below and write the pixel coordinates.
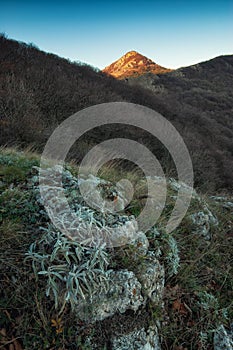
(133, 64)
(132, 53)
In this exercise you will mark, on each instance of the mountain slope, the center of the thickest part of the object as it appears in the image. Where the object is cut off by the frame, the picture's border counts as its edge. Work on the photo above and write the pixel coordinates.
(217, 71)
(133, 64)
(201, 98)
(39, 90)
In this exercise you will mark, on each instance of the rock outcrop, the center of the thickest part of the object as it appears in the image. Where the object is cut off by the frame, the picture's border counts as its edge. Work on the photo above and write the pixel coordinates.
(223, 339)
(102, 290)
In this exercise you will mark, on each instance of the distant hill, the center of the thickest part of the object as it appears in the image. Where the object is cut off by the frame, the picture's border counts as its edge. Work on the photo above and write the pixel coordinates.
(38, 90)
(133, 64)
(215, 74)
(201, 98)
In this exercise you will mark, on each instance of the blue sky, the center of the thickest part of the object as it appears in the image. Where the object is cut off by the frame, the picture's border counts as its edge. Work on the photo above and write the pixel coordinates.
(172, 33)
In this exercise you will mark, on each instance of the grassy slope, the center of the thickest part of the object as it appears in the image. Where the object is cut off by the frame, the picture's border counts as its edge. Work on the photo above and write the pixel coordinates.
(196, 299)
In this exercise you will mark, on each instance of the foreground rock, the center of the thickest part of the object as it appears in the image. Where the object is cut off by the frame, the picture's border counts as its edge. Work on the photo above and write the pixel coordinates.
(142, 279)
(138, 340)
(124, 293)
(223, 339)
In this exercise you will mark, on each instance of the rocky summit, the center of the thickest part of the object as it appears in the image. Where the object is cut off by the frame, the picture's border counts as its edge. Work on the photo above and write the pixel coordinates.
(133, 64)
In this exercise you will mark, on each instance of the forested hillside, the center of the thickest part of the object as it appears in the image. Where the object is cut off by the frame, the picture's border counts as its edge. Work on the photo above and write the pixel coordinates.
(38, 90)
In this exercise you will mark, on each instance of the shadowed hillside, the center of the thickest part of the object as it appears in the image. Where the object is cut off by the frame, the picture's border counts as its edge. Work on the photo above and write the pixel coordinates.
(38, 90)
(200, 97)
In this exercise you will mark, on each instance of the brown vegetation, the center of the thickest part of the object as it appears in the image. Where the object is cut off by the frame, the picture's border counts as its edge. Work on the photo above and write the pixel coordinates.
(39, 90)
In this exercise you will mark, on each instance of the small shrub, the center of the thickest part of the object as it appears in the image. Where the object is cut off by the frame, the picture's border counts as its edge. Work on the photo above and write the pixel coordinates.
(73, 271)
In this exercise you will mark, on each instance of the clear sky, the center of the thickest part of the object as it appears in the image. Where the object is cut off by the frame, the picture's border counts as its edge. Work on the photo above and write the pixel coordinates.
(172, 33)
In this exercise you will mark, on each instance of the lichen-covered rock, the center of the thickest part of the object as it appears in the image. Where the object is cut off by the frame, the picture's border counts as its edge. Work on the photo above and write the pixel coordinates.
(223, 201)
(141, 244)
(89, 225)
(151, 276)
(103, 194)
(176, 186)
(223, 340)
(124, 293)
(138, 340)
(100, 204)
(202, 221)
